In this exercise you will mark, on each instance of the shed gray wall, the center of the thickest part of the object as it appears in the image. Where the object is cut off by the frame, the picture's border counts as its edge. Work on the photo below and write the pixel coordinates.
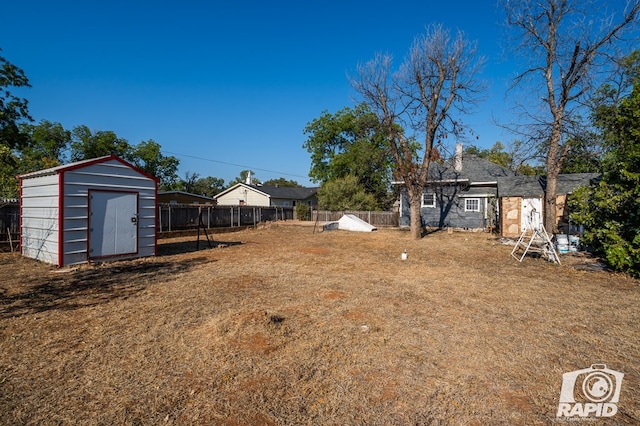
(39, 217)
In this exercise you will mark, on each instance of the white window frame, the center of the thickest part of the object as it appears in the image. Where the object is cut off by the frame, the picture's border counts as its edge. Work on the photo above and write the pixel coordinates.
(431, 205)
(466, 205)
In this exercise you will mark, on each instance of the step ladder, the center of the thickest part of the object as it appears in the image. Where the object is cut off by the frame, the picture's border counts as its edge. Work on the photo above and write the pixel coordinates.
(534, 239)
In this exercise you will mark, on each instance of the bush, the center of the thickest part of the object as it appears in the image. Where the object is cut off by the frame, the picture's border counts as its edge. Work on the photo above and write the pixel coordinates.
(302, 212)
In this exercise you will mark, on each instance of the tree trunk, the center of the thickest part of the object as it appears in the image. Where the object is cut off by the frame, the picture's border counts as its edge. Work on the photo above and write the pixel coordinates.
(554, 163)
(415, 195)
(550, 207)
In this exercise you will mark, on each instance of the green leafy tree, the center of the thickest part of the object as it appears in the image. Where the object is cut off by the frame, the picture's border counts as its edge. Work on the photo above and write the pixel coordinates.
(9, 186)
(148, 156)
(584, 155)
(282, 182)
(208, 186)
(188, 184)
(47, 147)
(87, 144)
(345, 193)
(13, 109)
(610, 210)
(496, 154)
(351, 143)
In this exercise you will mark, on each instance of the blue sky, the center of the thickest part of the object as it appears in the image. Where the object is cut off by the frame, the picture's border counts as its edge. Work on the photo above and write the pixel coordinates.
(232, 84)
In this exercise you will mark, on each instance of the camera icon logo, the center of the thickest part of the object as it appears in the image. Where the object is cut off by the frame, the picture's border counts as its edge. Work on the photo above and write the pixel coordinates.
(590, 391)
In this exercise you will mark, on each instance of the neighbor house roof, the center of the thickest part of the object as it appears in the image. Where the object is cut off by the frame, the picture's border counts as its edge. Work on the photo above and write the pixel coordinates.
(282, 192)
(287, 192)
(535, 186)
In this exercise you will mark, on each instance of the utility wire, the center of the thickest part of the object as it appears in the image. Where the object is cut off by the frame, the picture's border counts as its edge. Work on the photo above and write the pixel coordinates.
(233, 164)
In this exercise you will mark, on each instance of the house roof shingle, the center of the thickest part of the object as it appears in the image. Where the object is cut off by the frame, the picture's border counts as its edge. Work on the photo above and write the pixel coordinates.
(281, 192)
(474, 170)
(286, 192)
(535, 186)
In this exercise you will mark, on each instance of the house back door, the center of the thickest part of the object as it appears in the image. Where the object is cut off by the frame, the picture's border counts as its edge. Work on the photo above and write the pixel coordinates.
(531, 213)
(113, 223)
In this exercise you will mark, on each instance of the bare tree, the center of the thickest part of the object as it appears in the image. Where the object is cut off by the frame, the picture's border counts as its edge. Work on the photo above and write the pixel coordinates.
(434, 86)
(567, 55)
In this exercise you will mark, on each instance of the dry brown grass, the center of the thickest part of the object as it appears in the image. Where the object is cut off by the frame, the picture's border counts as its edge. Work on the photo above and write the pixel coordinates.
(286, 326)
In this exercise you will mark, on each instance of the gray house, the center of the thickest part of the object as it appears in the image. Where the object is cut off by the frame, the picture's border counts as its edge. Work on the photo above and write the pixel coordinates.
(460, 193)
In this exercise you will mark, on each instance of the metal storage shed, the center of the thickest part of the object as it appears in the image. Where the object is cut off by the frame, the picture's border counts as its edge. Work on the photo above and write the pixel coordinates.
(92, 210)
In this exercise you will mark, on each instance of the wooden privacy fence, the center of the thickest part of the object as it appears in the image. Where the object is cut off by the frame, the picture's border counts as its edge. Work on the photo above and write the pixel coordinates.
(375, 218)
(173, 217)
(9, 221)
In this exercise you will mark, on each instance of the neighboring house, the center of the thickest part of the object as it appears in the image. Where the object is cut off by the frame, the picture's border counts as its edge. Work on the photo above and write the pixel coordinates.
(460, 193)
(181, 197)
(243, 194)
(521, 201)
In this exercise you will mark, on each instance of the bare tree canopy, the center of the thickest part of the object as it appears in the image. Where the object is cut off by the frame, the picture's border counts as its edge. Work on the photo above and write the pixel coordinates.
(427, 96)
(567, 48)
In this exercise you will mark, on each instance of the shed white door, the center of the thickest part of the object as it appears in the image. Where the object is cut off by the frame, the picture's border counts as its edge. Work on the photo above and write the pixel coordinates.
(113, 223)
(531, 213)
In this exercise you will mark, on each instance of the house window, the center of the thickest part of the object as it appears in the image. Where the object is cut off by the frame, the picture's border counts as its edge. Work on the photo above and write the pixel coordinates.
(472, 205)
(428, 199)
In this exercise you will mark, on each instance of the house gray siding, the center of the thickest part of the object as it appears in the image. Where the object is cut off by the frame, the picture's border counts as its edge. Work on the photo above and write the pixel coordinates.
(449, 209)
(462, 178)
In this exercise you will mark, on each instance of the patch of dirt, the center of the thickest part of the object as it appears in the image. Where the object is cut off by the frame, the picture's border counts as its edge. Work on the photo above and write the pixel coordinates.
(282, 325)
(315, 250)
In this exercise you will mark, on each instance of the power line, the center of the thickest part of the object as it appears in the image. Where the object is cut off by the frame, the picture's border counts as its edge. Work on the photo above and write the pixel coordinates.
(233, 164)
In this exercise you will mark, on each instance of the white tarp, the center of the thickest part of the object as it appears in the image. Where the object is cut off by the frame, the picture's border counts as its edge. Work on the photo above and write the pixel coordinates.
(349, 222)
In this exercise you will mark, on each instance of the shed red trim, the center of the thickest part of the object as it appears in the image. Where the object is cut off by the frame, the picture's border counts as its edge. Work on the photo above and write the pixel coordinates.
(60, 220)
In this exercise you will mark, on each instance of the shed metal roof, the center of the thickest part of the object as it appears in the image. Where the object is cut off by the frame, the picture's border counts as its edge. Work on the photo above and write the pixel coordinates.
(83, 163)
